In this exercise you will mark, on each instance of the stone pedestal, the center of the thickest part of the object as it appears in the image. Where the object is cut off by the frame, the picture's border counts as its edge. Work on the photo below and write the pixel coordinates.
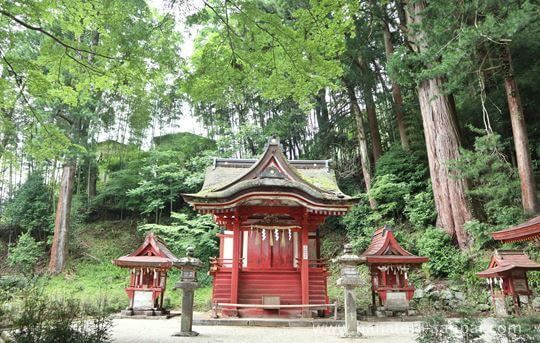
(499, 305)
(188, 284)
(349, 280)
(351, 324)
(186, 321)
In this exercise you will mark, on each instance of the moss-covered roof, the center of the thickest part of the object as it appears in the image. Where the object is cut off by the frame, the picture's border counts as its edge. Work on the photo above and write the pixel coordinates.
(227, 177)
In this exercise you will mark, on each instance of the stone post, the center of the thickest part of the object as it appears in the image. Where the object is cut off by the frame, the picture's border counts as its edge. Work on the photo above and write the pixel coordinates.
(188, 283)
(349, 280)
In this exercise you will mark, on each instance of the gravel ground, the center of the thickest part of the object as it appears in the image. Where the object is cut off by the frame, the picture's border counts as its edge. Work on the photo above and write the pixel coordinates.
(147, 330)
(140, 330)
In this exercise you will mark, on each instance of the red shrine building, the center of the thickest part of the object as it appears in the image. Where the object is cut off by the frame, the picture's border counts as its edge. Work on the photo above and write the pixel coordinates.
(270, 210)
(527, 231)
(506, 274)
(507, 277)
(148, 267)
(389, 265)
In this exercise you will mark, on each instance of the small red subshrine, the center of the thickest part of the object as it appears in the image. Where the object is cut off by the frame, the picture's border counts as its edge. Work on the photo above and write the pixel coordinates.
(148, 275)
(507, 277)
(389, 265)
(507, 272)
(270, 210)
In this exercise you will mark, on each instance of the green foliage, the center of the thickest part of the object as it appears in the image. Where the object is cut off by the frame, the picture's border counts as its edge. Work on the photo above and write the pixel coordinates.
(399, 175)
(468, 327)
(163, 179)
(198, 232)
(408, 167)
(360, 223)
(84, 71)
(518, 329)
(186, 144)
(420, 209)
(444, 258)
(389, 193)
(152, 183)
(495, 183)
(25, 254)
(30, 208)
(42, 319)
(435, 329)
(534, 276)
(265, 54)
(480, 233)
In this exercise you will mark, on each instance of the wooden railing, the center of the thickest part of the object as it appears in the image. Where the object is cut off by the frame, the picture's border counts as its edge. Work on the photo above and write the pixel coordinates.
(216, 306)
(317, 263)
(218, 263)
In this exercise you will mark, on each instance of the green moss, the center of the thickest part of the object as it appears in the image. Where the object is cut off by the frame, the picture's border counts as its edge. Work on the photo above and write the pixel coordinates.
(321, 181)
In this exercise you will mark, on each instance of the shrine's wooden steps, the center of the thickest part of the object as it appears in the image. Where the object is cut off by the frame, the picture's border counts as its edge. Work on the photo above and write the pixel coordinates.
(221, 292)
(253, 285)
(317, 287)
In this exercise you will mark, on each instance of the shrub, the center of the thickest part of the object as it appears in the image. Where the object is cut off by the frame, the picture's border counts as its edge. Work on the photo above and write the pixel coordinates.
(408, 167)
(41, 319)
(25, 254)
(360, 222)
(518, 329)
(444, 258)
(468, 327)
(420, 209)
(480, 233)
(389, 193)
(494, 181)
(198, 232)
(30, 208)
(435, 329)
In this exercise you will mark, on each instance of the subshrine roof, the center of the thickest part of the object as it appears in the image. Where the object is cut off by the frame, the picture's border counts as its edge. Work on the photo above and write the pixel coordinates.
(503, 261)
(526, 231)
(272, 177)
(384, 249)
(152, 253)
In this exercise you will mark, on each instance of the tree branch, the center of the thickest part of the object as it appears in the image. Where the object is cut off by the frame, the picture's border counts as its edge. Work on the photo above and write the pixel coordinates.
(53, 37)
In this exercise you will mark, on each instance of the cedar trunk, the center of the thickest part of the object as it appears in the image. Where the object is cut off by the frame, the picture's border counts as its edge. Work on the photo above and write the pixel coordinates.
(396, 92)
(61, 225)
(442, 143)
(362, 142)
(373, 124)
(529, 198)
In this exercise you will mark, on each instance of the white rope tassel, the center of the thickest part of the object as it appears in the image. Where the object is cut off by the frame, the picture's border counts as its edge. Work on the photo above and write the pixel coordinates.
(276, 234)
(264, 234)
(290, 234)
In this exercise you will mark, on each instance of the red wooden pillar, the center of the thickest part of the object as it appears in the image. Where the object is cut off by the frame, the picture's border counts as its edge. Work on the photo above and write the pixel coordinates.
(305, 265)
(236, 258)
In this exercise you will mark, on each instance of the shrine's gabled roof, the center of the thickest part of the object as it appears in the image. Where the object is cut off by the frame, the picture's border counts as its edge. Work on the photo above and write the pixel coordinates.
(230, 180)
(152, 253)
(526, 231)
(384, 248)
(503, 261)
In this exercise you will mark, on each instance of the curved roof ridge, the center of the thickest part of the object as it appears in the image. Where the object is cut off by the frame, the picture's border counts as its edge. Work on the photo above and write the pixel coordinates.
(273, 150)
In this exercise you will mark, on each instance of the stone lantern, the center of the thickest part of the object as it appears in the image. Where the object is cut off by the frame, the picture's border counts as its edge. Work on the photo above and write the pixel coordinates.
(188, 283)
(349, 280)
